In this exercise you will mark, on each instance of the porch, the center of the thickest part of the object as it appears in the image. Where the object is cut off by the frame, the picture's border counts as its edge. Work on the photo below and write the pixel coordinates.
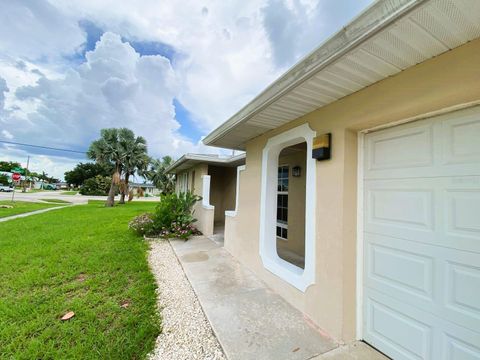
(248, 318)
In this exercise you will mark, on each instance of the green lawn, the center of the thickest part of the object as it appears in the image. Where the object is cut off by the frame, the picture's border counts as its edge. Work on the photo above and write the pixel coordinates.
(56, 201)
(20, 207)
(80, 259)
(69, 193)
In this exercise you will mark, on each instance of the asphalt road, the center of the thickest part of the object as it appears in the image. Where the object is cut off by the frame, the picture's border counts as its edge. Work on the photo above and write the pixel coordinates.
(76, 199)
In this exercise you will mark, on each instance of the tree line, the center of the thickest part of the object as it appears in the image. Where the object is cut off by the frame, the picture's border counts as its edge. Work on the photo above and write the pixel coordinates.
(8, 166)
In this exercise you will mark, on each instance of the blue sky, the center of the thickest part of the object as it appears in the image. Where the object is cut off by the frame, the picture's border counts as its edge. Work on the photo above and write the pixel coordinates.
(170, 73)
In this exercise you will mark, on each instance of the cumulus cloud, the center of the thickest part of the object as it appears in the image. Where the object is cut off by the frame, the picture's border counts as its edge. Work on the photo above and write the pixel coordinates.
(3, 90)
(115, 87)
(7, 135)
(231, 49)
(35, 29)
(219, 55)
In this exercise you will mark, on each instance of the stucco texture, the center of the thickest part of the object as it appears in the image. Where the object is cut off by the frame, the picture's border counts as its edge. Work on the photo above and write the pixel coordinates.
(448, 80)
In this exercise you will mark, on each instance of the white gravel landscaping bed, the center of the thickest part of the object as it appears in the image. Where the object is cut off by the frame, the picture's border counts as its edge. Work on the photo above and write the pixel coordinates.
(186, 332)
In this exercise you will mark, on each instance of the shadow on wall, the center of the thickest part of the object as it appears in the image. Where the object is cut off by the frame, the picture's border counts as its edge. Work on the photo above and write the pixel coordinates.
(223, 182)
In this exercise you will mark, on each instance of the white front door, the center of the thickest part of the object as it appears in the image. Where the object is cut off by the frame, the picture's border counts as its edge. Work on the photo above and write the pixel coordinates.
(422, 238)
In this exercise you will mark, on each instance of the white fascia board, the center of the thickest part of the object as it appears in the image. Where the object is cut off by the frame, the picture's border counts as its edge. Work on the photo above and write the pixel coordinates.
(204, 158)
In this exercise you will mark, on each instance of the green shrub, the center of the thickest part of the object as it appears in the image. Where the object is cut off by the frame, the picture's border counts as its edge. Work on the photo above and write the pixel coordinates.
(173, 217)
(4, 180)
(98, 185)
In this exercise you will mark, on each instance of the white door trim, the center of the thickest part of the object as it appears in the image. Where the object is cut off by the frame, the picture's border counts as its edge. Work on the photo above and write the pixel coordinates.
(206, 193)
(233, 213)
(360, 199)
(359, 270)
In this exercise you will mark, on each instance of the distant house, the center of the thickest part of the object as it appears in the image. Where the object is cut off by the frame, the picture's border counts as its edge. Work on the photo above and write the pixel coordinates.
(148, 189)
(359, 199)
(214, 178)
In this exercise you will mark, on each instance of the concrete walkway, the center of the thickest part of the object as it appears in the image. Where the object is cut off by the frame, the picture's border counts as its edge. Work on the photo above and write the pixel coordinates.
(8, 218)
(249, 319)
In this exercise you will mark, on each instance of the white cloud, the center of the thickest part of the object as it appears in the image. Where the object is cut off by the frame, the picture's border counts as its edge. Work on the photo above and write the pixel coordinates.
(37, 30)
(3, 90)
(53, 165)
(115, 87)
(7, 135)
(231, 50)
(226, 52)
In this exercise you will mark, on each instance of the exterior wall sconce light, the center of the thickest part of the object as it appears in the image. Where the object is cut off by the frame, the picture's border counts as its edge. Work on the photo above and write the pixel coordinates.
(296, 171)
(322, 147)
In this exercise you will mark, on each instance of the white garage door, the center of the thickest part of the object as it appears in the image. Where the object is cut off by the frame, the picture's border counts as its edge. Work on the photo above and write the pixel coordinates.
(422, 238)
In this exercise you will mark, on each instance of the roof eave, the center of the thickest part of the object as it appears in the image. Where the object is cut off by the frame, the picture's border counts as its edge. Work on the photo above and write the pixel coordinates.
(209, 159)
(357, 31)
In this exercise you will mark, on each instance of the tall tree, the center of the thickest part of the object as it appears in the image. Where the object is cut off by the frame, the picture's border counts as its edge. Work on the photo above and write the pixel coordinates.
(136, 160)
(112, 148)
(7, 166)
(159, 177)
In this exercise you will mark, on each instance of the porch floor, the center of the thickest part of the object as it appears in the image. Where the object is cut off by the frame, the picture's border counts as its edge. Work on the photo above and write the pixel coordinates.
(250, 320)
(218, 232)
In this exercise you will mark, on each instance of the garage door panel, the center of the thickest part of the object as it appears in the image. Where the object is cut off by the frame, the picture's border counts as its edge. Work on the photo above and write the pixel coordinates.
(441, 211)
(403, 336)
(463, 213)
(447, 283)
(460, 139)
(463, 291)
(442, 146)
(457, 349)
(404, 208)
(401, 148)
(392, 269)
(421, 278)
(435, 337)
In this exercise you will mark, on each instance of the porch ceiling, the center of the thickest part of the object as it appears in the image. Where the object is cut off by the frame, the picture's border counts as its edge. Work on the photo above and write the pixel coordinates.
(388, 37)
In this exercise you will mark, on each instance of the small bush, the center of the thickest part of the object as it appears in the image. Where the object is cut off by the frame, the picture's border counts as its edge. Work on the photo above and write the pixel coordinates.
(142, 224)
(98, 185)
(173, 217)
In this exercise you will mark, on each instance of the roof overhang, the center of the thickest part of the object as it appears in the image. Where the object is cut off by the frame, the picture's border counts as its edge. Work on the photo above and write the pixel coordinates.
(388, 37)
(189, 160)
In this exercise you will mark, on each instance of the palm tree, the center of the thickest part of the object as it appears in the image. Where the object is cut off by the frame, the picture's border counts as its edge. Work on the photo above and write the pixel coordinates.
(159, 177)
(136, 160)
(114, 147)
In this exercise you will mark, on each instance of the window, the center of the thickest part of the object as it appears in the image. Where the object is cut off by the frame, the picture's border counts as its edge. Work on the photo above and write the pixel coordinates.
(282, 202)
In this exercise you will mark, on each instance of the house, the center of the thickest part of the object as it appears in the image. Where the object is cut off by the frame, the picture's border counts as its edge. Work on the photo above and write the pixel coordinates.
(148, 189)
(214, 178)
(359, 200)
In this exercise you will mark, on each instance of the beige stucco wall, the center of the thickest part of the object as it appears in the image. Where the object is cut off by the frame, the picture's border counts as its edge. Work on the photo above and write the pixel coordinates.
(195, 182)
(296, 204)
(448, 80)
